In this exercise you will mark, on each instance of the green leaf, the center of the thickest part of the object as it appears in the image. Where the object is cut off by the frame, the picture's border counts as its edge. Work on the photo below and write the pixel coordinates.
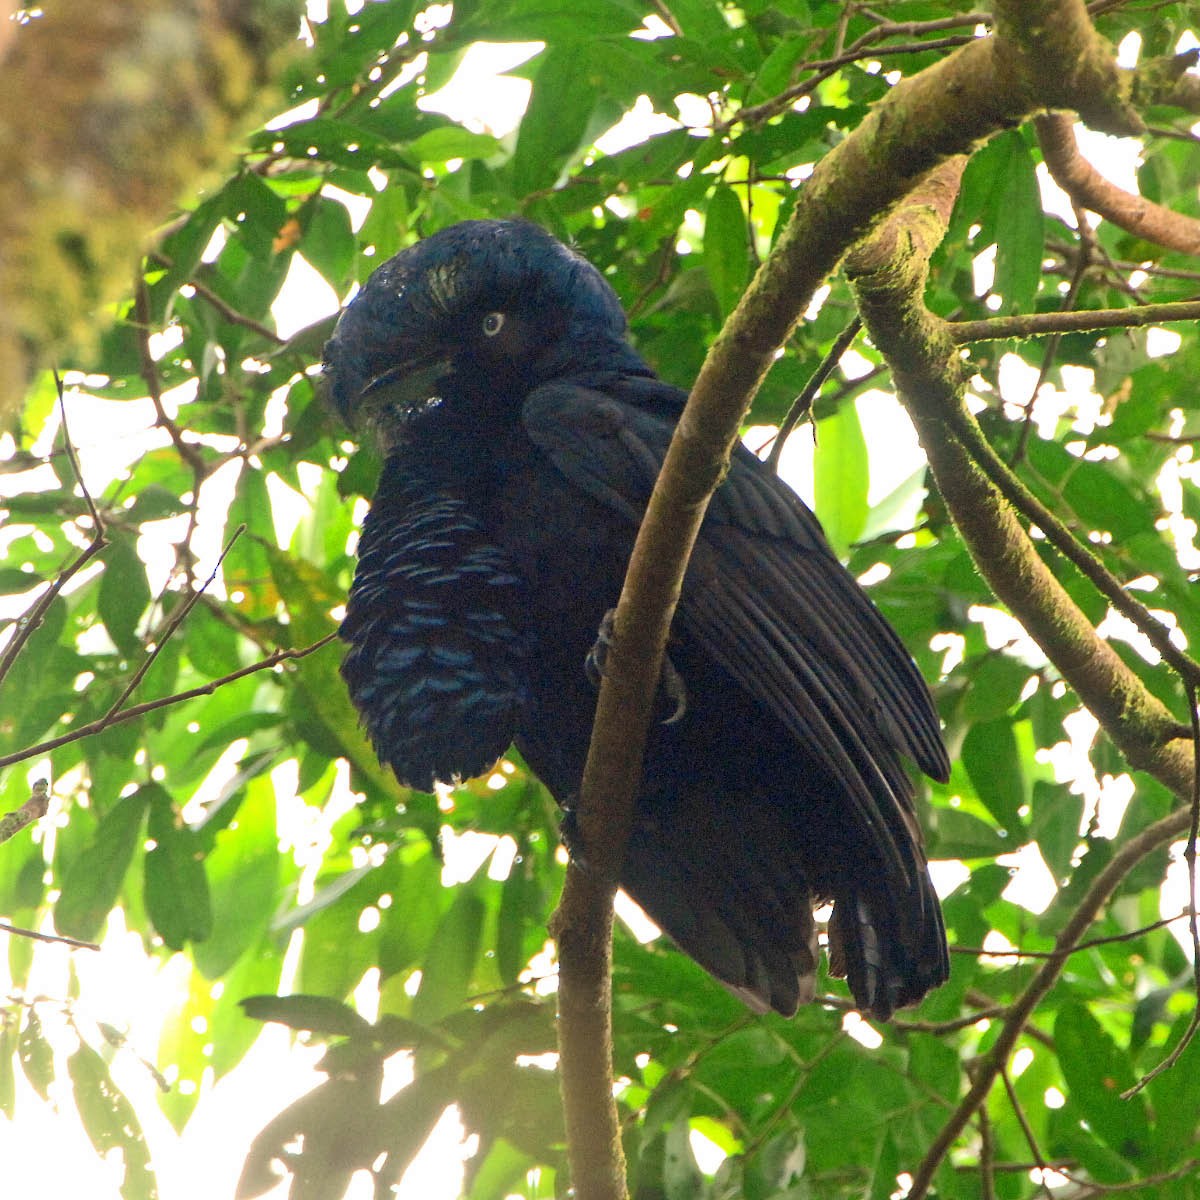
(996, 687)
(315, 1014)
(36, 1055)
(111, 1123)
(502, 1168)
(1097, 1072)
(231, 1032)
(1055, 825)
(726, 247)
(958, 834)
(993, 762)
(177, 898)
(329, 243)
(450, 962)
(841, 478)
(124, 594)
(452, 141)
(243, 871)
(555, 121)
(1020, 230)
(93, 880)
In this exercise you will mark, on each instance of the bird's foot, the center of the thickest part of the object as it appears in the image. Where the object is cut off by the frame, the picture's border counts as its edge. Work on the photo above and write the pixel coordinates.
(597, 656)
(572, 837)
(670, 681)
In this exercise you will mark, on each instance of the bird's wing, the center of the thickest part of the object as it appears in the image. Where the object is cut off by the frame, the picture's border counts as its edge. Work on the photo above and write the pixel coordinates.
(769, 602)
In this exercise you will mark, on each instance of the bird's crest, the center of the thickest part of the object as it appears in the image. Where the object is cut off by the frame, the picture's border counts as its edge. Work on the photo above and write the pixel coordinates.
(442, 282)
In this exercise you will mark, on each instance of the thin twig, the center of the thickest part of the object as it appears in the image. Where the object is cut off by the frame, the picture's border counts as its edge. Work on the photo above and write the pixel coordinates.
(1027, 1130)
(222, 306)
(1189, 855)
(1090, 320)
(139, 710)
(30, 621)
(1029, 506)
(17, 931)
(987, 1156)
(1124, 859)
(1109, 939)
(1091, 1188)
(937, 1028)
(141, 311)
(863, 47)
(172, 625)
(802, 405)
(1086, 246)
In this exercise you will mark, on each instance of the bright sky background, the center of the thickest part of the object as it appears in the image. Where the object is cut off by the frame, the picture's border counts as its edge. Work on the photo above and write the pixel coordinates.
(45, 1152)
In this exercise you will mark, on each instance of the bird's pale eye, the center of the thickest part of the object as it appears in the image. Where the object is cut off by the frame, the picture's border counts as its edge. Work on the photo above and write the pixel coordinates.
(492, 324)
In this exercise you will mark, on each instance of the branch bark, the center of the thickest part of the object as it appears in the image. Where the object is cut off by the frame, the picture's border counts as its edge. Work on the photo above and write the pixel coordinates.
(888, 274)
(1089, 189)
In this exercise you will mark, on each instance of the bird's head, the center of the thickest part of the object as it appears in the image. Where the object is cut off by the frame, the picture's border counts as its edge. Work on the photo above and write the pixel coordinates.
(502, 303)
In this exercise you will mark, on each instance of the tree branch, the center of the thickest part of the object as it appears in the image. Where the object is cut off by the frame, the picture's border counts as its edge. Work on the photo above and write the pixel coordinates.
(888, 274)
(944, 111)
(1089, 320)
(1088, 188)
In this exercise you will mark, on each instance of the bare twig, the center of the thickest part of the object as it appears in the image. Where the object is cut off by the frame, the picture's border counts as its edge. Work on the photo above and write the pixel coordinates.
(1087, 187)
(1193, 920)
(227, 310)
(1124, 859)
(802, 405)
(139, 710)
(173, 624)
(987, 1156)
(1090, 1188)
(1015, 492)
(864, 47)
(1091, 320)
(37, 936)
(1107, 940)
(1027, 1130)
(1050, 353)
(188, 452)
(30, 621)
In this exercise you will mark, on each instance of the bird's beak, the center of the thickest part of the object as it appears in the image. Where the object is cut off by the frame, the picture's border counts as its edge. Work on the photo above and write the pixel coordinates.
(389, 395)
(408, 385)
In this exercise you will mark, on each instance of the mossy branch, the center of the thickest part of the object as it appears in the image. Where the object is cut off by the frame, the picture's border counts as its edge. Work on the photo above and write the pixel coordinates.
(945, 111)
(888, 274)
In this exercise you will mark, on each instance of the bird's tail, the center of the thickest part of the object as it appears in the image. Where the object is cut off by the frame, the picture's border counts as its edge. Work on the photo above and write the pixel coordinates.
(891, 949)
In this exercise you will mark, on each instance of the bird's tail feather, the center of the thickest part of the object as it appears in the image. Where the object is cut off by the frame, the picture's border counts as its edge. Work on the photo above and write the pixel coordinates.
(891, 950)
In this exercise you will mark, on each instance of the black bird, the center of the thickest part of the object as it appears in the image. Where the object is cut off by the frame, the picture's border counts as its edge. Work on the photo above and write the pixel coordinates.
(523, 435)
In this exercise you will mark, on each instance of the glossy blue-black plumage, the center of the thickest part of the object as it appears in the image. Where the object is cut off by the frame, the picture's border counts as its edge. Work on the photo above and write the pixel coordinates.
(523, 437)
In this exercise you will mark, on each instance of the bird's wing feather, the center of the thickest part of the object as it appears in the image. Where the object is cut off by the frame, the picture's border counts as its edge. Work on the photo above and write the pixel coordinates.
(769, 601)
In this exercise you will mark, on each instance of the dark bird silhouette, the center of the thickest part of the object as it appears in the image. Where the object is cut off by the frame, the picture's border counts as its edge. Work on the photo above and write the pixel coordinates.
(523, 435)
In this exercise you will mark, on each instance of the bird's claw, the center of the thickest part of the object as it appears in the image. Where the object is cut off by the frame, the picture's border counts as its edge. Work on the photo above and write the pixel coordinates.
(597, 656)
(670, 681)
(572, 837)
